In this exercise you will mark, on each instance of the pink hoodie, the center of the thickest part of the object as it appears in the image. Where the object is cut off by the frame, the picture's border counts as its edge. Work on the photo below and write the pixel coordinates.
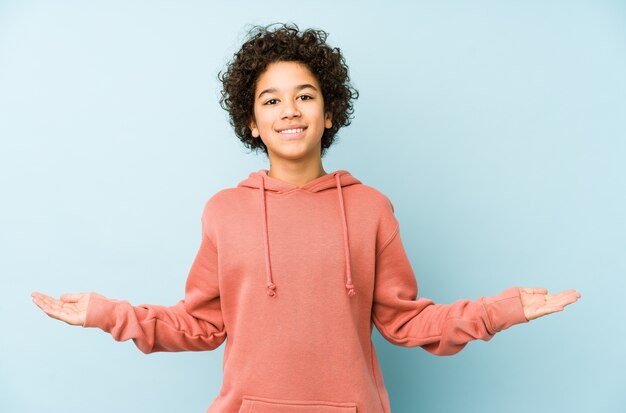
(296, 277)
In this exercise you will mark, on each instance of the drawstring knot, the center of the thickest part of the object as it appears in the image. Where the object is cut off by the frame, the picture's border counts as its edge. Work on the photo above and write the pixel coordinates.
(271, 289)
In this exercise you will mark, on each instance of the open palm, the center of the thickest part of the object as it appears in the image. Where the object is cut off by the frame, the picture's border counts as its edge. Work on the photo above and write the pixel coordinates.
(537, 302)
(70, 308)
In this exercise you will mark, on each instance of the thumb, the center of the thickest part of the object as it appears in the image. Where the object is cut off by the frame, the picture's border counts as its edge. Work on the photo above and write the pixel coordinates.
(70, 298)
(534, 290)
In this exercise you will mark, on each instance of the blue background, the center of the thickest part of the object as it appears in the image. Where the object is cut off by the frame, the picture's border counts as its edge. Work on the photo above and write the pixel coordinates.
(496, 128)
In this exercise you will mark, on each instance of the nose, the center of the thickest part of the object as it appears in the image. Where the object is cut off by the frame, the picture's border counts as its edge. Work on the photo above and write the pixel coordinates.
(290, 110)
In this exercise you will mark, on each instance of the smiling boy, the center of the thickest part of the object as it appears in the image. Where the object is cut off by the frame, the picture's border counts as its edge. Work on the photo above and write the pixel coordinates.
(289, 118)
(296, 265)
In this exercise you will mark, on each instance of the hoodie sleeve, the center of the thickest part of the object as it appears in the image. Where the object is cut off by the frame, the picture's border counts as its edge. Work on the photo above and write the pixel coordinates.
(195, 323)
(441, 329)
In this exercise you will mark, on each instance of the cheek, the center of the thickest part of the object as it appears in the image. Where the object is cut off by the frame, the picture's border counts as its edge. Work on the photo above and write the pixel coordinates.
(265, 124)
(261, 119)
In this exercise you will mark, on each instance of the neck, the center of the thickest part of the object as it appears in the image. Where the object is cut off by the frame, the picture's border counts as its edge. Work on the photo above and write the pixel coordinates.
(296, 174)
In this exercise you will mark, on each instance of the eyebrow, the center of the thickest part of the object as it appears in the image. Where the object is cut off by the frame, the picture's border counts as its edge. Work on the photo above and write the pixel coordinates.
(299, 87)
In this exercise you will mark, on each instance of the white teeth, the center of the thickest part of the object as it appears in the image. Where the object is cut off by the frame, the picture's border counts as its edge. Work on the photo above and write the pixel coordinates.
(292, 130)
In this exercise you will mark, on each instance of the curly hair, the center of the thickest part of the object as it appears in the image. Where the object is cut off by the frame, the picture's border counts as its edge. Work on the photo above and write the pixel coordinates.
(266, 45)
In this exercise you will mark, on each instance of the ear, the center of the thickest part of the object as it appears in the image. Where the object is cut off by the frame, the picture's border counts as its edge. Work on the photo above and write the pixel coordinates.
(254, 130)
(328, 120)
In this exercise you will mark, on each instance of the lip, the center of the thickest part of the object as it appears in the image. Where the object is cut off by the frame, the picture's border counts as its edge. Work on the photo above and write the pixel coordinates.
(291, 136)
(294, 126)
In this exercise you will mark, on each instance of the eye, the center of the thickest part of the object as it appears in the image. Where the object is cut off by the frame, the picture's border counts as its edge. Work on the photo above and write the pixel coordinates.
(305, 97)
(270, 102)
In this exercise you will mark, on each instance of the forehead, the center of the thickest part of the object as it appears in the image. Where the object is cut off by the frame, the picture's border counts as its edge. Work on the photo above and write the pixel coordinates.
(285, 76)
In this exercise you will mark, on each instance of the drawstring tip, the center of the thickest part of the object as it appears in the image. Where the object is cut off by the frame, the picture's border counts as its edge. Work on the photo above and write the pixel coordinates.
(271, 289)
(351, 291)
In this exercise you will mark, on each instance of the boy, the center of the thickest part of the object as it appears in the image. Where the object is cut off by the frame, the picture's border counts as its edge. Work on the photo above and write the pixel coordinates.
(296, 264)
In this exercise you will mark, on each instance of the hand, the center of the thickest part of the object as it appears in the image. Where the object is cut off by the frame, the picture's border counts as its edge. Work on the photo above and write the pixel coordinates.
(537, 302)
(71, 308)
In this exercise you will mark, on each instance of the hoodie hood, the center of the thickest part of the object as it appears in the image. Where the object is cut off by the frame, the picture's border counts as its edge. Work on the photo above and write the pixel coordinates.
(333, 181)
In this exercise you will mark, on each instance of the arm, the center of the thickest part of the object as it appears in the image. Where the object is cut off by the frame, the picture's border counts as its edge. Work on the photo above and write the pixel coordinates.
(441, 329)
(194, 323)
(445, 329)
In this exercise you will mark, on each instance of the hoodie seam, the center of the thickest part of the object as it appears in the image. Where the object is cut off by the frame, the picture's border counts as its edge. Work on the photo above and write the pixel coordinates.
(270, 192)
(490, 326)
(277, 187)
(380, 399)
(389, 239)
(204, 224)
(211, 243)
(321, 184)
(311, 190)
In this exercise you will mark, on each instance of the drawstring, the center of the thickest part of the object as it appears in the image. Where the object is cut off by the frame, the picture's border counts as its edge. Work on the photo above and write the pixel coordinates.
(271, 287)
(346, 247)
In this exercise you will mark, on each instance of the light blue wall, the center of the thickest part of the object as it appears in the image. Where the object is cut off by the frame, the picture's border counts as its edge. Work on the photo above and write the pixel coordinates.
(496, 128)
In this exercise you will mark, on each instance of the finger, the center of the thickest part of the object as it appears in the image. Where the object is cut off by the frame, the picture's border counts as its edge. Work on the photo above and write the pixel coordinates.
(55, 309)
(565, 299)
(40, 295)
(47, 306)
(568, 292)
(564, 295)
(52, 306)
(44, 302)
(42, 299)
(574, 292)
(534, 290)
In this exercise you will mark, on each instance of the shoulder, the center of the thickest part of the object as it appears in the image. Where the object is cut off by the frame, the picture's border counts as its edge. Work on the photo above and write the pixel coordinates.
(372, 197)
(223, 200)
(221, 196)
(217, 204)
(375, 205)
(217, 209)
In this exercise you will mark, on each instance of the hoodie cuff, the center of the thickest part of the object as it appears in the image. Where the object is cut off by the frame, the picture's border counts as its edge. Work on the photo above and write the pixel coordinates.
(504, 310)
(101, 312)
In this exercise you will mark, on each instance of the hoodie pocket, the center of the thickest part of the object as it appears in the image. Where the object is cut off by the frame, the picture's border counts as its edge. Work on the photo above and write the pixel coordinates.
(253, 404)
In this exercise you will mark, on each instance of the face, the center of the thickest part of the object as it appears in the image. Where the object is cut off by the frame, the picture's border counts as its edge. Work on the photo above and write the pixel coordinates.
(289, 112)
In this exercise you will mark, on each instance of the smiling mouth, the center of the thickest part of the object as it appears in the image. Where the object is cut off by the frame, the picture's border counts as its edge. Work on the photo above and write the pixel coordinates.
(291, 131)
